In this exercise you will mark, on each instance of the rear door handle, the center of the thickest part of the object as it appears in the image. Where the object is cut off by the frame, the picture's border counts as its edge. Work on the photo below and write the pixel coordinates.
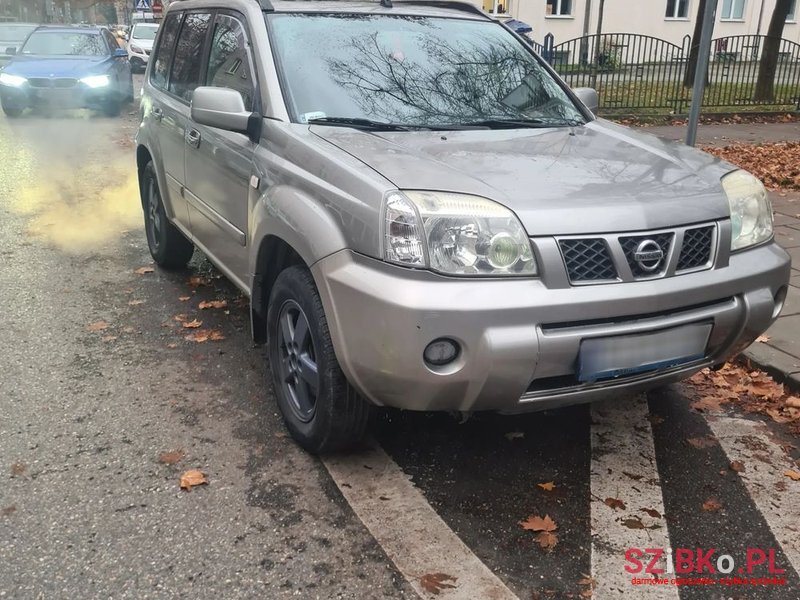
(193, 138)
(158, 114)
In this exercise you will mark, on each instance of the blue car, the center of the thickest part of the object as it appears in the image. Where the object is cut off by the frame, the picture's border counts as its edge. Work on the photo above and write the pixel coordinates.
(67, 67)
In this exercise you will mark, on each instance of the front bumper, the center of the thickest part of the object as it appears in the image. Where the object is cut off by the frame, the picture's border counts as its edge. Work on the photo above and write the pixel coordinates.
(56, 98)
(520, 340)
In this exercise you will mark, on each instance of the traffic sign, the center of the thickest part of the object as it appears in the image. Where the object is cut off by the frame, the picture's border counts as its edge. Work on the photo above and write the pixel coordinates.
(142, 4)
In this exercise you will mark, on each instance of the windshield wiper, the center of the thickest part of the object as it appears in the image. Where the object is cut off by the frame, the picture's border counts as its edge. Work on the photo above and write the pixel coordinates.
(364, 124)
(511, 123)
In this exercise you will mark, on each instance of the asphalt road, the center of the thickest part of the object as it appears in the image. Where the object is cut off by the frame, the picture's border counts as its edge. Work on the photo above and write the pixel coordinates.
(98, 380)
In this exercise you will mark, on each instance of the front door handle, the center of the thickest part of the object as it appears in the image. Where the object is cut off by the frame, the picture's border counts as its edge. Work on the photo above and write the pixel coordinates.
(158, 114)
(193, 138)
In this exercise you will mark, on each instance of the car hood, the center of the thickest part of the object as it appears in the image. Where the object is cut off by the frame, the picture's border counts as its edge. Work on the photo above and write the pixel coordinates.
(143, 44)
(67, 66)
(600, 177)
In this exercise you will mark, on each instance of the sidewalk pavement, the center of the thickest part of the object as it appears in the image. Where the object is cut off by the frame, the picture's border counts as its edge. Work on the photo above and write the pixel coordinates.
(779, 355)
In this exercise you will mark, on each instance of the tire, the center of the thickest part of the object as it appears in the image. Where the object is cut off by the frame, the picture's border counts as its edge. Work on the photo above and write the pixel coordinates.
(336, 416)
(12, 111)
(111, 107)
(168, 246)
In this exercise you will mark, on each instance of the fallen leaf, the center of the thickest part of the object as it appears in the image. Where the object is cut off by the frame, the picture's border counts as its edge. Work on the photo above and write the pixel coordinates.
(8, 510)
(196, 281)
(194, 324)
(793, 401)
(281, 435)
(184, 298)
(703, 442)
(736, 466)
(635, 523)
(515, 435)
(763, 339)
(588, 580)
(711, 505)
(651, 512)
(172, 457)
(192, 478)
(216, 336)
(172, 346)
(547, 539)
(793, 475)
(199, 336)
(128, 330)
(586, 594)
(547, 487)
(213, 304)
(135, 302)
(18, 468)
(181, 317)
(614, 503)
(632, 476)
(98, 326)
(108, 338)
(533, 523)
(144, 270)
(434, 583)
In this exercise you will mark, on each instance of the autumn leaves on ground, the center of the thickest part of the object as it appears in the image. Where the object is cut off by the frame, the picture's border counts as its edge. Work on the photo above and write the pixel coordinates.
(776, 164)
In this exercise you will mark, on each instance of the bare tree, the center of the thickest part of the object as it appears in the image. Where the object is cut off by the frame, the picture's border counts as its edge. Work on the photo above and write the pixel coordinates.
(694, 49)
(765, 85)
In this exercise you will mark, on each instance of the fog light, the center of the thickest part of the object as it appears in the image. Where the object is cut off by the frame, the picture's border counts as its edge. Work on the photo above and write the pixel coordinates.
(441, 352)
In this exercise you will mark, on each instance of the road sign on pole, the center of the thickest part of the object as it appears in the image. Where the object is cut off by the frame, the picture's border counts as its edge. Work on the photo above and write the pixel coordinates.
(142, 4)
(701, 71)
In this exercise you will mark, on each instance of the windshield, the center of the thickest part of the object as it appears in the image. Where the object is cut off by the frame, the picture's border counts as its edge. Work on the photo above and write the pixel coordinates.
(60, 43)
(412, 71)
(144, 32)
(14, 33)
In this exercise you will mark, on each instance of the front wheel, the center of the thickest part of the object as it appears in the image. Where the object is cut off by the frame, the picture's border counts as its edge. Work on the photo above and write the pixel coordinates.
(168, 246)
(322, 411)
(12, 111)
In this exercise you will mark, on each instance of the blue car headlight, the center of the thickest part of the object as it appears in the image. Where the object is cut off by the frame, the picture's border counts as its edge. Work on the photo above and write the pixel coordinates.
(12, 80)
(96, 81)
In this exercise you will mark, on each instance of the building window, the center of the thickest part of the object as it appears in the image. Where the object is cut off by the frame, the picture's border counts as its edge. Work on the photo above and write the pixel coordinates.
(732, 10)
(559, 8)
(790, 16)
(497, 7)
(677, 9)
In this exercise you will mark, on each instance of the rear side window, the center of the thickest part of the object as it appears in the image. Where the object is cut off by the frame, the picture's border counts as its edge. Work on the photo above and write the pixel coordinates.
(229, 63)
(165, 50)
(188, 63)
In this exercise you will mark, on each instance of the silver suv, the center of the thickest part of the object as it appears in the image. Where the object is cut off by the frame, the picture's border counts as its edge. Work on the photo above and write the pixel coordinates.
(425, 216)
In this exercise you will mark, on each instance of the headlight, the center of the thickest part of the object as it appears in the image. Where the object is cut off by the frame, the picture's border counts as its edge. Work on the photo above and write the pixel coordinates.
(136, 49)
(751, 211)
(12, 80)
(455, 234)
(96, 81)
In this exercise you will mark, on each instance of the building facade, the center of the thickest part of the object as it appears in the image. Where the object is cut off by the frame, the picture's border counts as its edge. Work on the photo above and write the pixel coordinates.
(666, 19)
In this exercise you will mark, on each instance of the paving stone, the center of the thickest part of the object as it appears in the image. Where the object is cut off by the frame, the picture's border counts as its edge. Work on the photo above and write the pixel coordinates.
(787, 237)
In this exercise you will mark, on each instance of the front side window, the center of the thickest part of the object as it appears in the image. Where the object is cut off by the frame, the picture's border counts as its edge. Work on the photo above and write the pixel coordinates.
(406, 70)
(677, 9)
(110, 40)
(792, 7)
(188, 61)
(229, 63)
(558, 8)
(733, 9)
(60, 43)
(165, 50)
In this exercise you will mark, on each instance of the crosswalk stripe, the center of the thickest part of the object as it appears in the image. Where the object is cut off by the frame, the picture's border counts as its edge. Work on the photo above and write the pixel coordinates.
(775, 496)
(413, 535)
(624, 468)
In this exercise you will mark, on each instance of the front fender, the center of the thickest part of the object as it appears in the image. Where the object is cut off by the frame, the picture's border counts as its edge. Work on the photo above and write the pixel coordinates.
(299, 220)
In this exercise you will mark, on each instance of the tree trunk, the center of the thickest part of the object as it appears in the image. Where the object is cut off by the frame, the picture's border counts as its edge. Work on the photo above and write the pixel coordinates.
(765, 85)
(694, 49)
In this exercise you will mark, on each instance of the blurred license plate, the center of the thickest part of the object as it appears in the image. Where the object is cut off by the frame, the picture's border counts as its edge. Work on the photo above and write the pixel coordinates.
(624, 355)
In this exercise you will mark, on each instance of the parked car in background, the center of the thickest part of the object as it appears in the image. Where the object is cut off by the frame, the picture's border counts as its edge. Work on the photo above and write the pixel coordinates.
(140, 44)
(60, 67)
(424, 216)
(12, 35)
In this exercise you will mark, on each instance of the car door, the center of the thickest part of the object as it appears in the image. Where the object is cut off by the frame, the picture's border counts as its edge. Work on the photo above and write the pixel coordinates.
(219, 163)
(169, 115)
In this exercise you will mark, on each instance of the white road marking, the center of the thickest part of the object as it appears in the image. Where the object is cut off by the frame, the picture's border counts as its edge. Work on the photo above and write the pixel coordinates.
(624, 468)
(415, 538)
(776, 496)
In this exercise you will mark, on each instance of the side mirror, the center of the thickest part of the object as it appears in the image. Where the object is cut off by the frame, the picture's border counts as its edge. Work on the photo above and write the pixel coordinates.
(589, 97)
(223, 108)
(11, 50)
(120, 53)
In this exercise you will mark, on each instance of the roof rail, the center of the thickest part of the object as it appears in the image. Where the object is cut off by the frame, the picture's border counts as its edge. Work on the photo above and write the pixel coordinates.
(452, 4)
(266, 5)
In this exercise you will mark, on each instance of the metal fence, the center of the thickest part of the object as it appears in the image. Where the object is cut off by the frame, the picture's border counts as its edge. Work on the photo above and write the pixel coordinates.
(640, 74)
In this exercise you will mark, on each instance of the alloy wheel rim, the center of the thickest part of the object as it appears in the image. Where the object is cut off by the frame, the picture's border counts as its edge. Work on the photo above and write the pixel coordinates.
(297, 356)
(154, 220)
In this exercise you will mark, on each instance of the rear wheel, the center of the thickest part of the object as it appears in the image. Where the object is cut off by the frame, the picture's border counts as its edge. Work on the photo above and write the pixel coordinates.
(168, 246)
(322, 411)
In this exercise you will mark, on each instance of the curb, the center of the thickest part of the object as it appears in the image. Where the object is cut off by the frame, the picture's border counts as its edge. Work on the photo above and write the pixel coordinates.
(783, 368)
